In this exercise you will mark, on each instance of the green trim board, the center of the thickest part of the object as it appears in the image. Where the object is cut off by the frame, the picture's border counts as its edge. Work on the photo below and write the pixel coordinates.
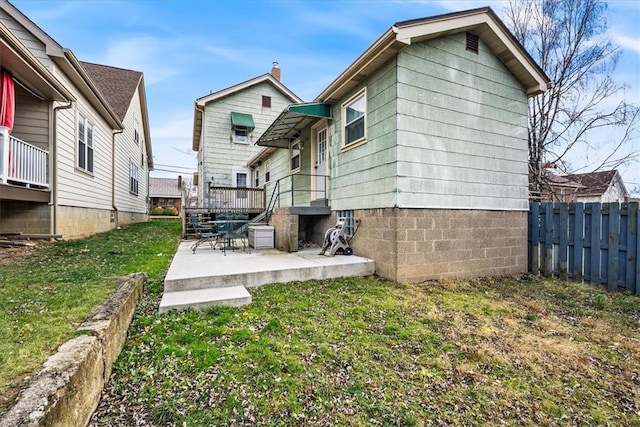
(242, 120)
(291, 121)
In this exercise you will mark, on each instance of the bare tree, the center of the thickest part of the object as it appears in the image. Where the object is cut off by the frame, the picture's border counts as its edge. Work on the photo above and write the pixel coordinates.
(567, 39)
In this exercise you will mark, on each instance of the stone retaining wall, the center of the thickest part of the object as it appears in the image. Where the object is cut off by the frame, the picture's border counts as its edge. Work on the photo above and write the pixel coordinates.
(67, 390)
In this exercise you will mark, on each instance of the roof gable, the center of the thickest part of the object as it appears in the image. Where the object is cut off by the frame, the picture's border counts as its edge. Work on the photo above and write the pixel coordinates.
(164, 187)
(118, 85)
(247, 84)
(482, 22)
(595, 183)
(52, 47)
(215, 96)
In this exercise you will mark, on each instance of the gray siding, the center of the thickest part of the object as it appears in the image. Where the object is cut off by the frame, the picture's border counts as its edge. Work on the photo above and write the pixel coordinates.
(75, 187)
(365, 176)
(37, 48)
(462, 129)
(31, 119)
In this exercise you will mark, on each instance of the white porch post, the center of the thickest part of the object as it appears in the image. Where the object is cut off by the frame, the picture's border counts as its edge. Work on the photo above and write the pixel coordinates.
(4, 154)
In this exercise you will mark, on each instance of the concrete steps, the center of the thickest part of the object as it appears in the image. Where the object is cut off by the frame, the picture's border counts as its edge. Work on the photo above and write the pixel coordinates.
(209, 278)
(234, 296)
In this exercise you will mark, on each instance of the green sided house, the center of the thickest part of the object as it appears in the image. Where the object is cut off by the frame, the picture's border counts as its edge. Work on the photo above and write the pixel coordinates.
(421, 143)
(226, 125)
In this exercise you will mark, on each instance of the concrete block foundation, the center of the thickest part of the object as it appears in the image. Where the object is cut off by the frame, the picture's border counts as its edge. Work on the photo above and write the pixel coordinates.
(414, 245)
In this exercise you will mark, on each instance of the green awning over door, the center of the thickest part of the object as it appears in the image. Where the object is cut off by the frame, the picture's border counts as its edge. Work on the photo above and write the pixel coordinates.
(242, 120)
(291, 121)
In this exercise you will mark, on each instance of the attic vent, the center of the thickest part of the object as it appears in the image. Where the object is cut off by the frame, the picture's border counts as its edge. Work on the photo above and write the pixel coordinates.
(472, 42)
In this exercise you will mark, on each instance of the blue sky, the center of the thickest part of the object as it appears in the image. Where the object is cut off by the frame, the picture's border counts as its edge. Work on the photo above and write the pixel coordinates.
(187, 49)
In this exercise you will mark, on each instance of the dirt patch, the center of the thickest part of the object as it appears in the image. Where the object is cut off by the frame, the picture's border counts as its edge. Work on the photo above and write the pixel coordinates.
(18, 250)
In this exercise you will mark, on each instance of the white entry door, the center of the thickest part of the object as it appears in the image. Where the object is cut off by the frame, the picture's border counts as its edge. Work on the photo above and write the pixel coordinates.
(321, 163)
(241, 181)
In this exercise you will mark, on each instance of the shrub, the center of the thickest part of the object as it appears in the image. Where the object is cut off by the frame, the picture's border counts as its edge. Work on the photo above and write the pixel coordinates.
(171, 211)
(157, 211)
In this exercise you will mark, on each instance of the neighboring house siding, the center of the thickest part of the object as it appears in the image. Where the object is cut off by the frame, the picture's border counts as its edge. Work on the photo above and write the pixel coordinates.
(37, 48)
(127, 150)
(615, 193)
(75, 187)
(31, 119)
(219, 155)
(462, 129)
(365, 176)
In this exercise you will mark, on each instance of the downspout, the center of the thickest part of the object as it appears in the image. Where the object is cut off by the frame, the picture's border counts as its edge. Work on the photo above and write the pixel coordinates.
(54, 165)
(113, 175)
(201, 144)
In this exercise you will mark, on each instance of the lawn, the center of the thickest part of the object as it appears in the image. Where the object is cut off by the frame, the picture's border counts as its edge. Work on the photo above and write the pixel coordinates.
(367, 351)
(46, 294)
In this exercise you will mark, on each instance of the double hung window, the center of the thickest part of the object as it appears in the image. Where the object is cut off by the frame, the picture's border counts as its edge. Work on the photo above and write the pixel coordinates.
(267, 170)
(134, 182)
(85, 144)
(295, 155)
(354, 116)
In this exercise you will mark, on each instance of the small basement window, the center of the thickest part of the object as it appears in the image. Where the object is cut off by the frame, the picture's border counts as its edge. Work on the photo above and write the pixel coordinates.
(473, 42)
(348, 223)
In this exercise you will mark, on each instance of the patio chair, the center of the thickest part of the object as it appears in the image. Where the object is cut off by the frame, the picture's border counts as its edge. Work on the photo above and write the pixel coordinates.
(204, 234)
(231, 231)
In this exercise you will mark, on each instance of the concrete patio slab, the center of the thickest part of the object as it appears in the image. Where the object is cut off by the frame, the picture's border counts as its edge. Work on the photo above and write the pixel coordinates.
(210, 269)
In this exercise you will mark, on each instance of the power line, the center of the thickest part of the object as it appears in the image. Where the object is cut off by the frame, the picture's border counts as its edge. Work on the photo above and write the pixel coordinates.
(175, 171)
(170, 166)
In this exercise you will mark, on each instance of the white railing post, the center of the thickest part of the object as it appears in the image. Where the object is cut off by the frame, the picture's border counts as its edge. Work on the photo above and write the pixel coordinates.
(4, 154)
(21, 162)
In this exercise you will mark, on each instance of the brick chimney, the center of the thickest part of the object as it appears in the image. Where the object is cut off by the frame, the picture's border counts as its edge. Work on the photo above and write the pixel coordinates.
(179, 181)
(275, 71)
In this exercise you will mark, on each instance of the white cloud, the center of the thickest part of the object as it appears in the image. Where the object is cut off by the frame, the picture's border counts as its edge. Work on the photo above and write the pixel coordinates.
(142, 53)
(178, 128)
(628, 43)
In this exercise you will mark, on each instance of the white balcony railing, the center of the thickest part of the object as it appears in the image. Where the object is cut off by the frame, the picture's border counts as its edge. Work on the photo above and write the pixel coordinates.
(22, 163)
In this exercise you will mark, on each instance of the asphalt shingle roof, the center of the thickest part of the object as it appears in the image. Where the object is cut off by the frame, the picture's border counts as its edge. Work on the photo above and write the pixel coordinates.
(164, 187)
(117, 85)
(592, 183)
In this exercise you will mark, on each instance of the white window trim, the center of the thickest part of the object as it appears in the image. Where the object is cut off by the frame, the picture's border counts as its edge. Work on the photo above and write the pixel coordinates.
(87, 146)
(299, 143)
(134, 169)
(267, 171)
(363, 140)
(136, 131)
(237, 141)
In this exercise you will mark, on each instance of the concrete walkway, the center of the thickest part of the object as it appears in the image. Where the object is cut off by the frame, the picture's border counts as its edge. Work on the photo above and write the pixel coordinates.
(209, 277)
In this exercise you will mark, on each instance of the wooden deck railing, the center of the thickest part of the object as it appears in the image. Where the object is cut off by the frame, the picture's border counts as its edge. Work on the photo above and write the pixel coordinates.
(22, 163)
(232, 199)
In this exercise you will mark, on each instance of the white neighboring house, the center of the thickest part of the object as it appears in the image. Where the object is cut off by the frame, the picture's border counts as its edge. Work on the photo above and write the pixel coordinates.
(603, 187)
(226, 126)
(76, 159)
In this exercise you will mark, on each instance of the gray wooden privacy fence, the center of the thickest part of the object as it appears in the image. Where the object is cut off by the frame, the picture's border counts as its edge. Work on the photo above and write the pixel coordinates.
(594, 242)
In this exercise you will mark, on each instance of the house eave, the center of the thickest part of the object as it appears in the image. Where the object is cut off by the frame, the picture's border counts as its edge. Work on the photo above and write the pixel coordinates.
(198, 114)
(483, 22)
(261, 155)
(202, 101)
(145, 118)
(28, 70)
